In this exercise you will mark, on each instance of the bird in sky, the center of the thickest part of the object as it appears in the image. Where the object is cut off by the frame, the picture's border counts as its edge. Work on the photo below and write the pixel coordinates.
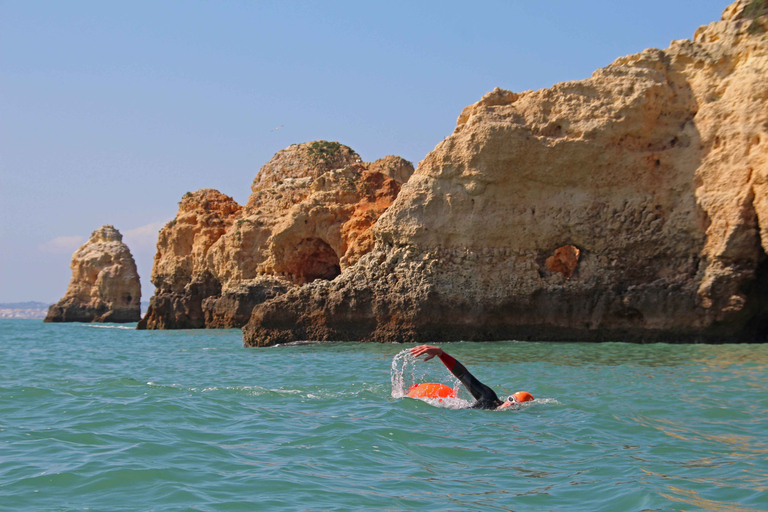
(275, 129)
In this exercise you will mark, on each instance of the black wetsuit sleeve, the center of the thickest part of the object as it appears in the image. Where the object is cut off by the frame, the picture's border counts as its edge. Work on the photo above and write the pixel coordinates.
(485, 396)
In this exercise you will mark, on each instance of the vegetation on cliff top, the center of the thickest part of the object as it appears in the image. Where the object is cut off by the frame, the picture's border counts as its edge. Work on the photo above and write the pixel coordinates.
(322, 151)
(753, 11)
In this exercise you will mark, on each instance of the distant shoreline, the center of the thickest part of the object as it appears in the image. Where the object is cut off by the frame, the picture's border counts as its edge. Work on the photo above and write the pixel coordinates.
(24, 310)
(33, 310)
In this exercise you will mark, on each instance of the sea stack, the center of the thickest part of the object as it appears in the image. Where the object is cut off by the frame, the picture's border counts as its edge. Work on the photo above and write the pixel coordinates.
(309, 217)
(105, 285)
(629, 206)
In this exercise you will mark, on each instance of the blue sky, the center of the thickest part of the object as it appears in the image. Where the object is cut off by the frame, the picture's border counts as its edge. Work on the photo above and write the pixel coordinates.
(111, 111)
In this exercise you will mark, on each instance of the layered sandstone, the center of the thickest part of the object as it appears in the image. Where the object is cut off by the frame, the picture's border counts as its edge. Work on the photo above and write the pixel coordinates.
(632, 205)
(105, 285)
(309, 217)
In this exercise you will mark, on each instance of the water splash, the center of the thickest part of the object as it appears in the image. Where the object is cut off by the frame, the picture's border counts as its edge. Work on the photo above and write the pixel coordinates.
(402, 373)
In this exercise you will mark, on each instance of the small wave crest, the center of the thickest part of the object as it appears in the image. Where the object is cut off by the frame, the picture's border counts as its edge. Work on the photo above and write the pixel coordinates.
(310, 393)
(298, 343)
(250, 390)
(95, 326)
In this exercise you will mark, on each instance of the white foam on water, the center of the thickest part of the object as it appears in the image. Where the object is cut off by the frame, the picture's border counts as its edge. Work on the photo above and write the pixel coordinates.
(447, 403)
(298, 343)
(544, 401)
(94, 326)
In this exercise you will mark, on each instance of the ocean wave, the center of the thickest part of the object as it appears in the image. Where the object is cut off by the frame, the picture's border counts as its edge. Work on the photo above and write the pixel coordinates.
(97, 326)
(299, 343)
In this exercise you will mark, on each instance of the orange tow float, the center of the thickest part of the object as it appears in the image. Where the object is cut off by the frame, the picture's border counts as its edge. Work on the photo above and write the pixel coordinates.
(431, 390)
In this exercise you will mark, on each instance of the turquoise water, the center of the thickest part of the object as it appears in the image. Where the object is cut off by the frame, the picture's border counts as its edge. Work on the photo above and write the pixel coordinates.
(104, 418)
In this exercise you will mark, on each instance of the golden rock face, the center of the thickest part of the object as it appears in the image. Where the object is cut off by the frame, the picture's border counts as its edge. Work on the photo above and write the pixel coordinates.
(309, 217)
(655, 168)
(105, 285)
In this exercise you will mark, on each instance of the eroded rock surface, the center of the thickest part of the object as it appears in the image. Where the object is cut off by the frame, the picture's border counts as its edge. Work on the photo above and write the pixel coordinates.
(655, 170)
(309, 217)
(105, 285)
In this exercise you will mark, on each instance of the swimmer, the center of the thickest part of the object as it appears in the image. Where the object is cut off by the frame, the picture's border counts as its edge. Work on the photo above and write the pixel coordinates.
(485, 396)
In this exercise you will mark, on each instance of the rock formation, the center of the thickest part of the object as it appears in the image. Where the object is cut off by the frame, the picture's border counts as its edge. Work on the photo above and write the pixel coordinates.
(104, 287)
(632, 205)
(309, 217)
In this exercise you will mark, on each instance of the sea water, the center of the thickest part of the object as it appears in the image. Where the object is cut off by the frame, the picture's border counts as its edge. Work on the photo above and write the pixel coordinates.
(106, 418)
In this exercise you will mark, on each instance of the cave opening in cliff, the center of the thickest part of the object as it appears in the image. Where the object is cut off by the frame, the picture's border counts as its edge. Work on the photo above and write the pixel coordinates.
(314, 259)
(756, 328)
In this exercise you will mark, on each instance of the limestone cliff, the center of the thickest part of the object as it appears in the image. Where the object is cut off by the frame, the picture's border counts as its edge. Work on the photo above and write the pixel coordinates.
(632, 205)
(104, 287)
(309, 217)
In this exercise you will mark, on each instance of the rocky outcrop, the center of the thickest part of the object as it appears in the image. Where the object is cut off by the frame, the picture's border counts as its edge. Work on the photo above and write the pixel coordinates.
(627, 206)
(181, 271)
(105, 285)
(309, 217)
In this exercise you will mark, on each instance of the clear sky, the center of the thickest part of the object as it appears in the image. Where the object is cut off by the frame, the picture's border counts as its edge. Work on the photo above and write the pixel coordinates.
(111, 111)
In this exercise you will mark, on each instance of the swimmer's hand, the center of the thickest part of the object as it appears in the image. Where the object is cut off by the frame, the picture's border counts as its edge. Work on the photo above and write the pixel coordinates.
(430, 350)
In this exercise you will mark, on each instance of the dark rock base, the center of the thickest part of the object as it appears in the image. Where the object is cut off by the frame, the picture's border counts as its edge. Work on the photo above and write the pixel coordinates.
(208, 308)
(79, 313)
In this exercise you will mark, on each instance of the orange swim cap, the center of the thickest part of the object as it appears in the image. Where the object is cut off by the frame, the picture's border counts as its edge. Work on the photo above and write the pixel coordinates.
(431, 390)
(523, 396)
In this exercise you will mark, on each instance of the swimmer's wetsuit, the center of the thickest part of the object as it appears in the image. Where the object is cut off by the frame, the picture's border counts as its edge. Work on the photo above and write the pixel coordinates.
(485, 396)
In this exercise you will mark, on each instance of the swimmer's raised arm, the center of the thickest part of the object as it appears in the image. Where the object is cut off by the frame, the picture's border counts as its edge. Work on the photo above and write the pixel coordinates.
(430, 350)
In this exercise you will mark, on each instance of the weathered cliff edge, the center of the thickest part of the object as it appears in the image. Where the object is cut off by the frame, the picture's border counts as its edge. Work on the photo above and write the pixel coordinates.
(308, 218)
(632, 205)
(105, 285)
